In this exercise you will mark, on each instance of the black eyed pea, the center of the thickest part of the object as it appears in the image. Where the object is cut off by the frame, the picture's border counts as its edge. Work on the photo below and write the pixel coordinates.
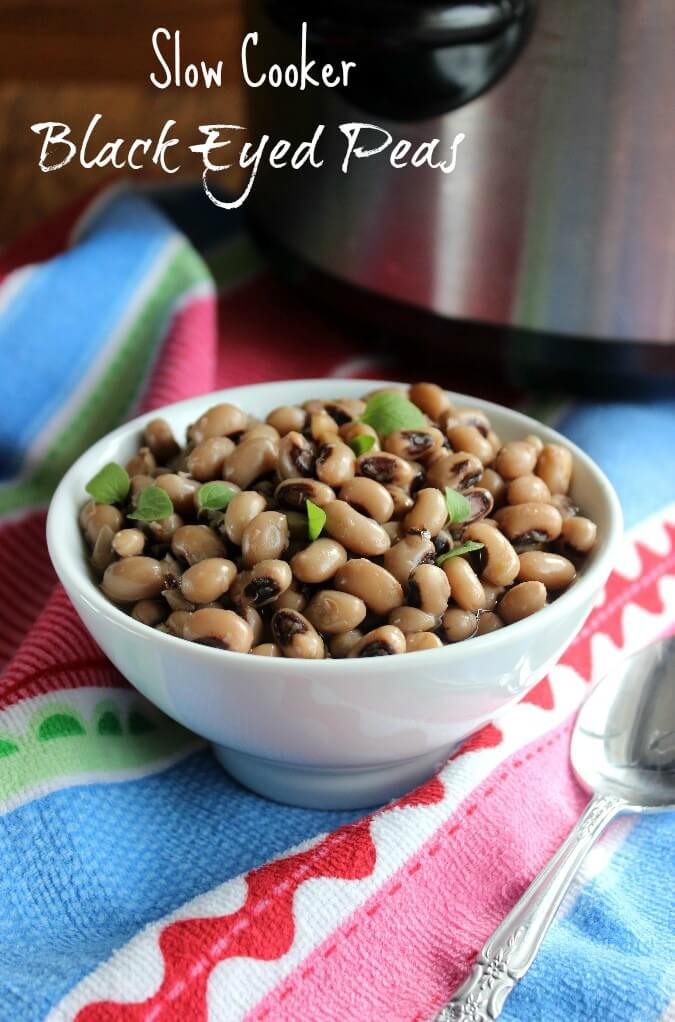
(412, 619)
(459, 471)
(356, 532)
(250, 460)
(345, 410)
(221, 420)
(264, 538)
(297, 526)
(394, 530)
(176, 622)
(403, 501)
(495, 442)
(335, 463)
(429, 514)
(481, 503)
(459, 624)
(235, 594)
(430, 399)
(103, 553)
(493, 594)
(492, 481)
(128, 542)
(318, 561)
(387, 640)
(523, 600)
(241, 510)
(267, 649)
(212, 626)
(159, 437)
(470, 438)
(414, 444)
(294, 493)
(429, 590)
(323, 428)
(377, 587)
(133, 579)
(255, 622)
(143, 463)
(351, 430)
(269, 579)
(150, 612)
(181, 490)
(467, 592)
(260, 430)
(315, 404)
(205, 461)
(207, 580)
(500, 564)
(516, 459)
(340, 646)
(194, 543)
(443, 543)
(474, 417)
(369, 498)
(387, 469)
(564, 504)
(296, 636)
(93, 517)
(488, 621)
(162, 531)
(416, 642)
(334, 612)
(527, 489)
(287, 419)
(403, 557)
(530, 523)
(296, 456)
(579, 534)
(535, 442)
(293, 598)
(554, 466)
(175, 601)
(555, 571)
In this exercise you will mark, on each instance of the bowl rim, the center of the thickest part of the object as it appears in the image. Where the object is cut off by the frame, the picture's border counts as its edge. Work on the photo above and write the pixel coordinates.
(73, 573)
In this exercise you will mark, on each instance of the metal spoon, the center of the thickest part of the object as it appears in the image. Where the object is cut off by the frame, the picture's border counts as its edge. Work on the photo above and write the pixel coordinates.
(623, 751)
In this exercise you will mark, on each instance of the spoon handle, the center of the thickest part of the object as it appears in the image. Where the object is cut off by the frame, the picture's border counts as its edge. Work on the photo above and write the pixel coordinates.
(509, 952)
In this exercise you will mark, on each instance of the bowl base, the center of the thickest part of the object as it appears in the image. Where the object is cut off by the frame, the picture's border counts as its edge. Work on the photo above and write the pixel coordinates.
(326, 787)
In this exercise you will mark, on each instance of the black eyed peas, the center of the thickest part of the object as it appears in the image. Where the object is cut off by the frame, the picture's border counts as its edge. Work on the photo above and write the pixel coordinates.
(238, 558)
(265, 537)
(357, 533)
(319, 561)
(296, 636)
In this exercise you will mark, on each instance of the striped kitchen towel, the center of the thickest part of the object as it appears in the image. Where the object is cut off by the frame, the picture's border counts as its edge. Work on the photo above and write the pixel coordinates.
(138, 881)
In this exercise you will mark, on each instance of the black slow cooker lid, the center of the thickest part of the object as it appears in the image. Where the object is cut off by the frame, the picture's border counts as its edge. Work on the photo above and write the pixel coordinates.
(400, 23)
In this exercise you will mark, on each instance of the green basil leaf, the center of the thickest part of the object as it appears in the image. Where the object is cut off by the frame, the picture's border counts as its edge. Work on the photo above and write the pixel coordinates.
(459, 551)
(459, 508)
(110, 485)
(316, 519)
(214, 496)
(154, 504)
(362, 443)
(389, 411)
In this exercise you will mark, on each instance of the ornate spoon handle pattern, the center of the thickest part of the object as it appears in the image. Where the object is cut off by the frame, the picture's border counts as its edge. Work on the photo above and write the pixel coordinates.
(511, 949)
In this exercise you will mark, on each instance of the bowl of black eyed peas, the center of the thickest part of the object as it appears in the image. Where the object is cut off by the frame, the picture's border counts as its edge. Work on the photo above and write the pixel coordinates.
(333, 581)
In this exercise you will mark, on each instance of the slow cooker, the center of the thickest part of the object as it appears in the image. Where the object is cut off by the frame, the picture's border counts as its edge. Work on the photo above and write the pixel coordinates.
(549, 253)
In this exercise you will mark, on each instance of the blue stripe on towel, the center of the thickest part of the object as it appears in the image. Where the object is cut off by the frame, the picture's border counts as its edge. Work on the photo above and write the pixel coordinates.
(56, 324)
(612, 957)
(69, 897)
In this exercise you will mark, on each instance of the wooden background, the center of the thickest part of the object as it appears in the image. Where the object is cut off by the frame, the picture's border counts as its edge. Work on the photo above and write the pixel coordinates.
(64, 60)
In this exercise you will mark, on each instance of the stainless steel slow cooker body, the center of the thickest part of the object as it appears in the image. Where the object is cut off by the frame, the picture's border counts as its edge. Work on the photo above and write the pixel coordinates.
(552, 242)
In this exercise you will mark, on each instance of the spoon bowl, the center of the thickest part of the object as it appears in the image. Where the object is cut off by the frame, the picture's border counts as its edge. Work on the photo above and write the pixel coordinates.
(624, 739)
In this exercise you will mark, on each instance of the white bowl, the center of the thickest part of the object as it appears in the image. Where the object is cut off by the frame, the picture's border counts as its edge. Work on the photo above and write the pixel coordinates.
(334, 733)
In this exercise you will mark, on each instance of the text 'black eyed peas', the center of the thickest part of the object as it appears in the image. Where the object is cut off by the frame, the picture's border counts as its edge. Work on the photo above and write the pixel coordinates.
(337, 529)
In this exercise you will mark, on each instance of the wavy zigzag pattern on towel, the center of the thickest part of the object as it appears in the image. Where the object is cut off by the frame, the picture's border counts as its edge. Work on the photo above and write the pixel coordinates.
(193, 949)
